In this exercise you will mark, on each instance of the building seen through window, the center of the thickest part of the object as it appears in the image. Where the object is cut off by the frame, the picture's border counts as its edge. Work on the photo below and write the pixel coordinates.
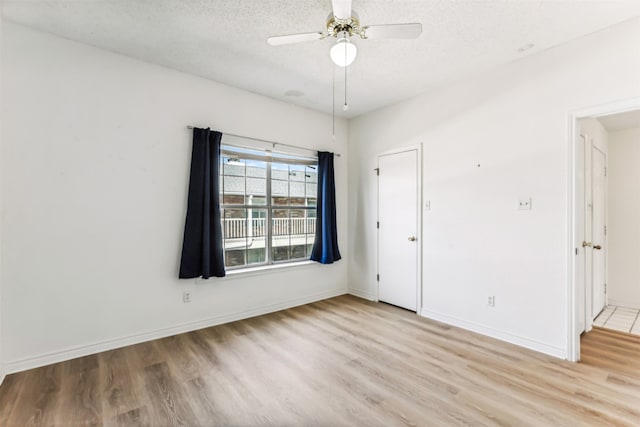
(268, 203)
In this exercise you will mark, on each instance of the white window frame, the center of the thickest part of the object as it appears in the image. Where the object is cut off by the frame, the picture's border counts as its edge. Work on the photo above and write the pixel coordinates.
(269, 157)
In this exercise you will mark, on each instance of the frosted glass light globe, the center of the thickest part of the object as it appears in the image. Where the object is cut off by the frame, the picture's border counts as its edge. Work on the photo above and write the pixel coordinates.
(343, 53)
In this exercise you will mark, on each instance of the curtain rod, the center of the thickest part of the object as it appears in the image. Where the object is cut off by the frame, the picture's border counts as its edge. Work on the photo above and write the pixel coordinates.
(269, 142)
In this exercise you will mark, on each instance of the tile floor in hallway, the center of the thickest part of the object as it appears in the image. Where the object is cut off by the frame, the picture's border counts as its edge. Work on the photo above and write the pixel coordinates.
(621, 319)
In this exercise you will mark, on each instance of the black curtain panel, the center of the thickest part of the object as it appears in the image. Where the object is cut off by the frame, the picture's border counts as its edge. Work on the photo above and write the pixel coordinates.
(325, 247)
(202, 252)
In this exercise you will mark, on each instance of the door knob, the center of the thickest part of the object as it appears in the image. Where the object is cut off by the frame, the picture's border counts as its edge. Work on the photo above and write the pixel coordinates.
(412, 238)
(598, 247)
(585, 244)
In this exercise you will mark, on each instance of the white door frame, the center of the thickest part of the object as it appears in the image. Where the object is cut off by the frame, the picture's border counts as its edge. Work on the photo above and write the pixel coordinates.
(418, 149)
(573, 339)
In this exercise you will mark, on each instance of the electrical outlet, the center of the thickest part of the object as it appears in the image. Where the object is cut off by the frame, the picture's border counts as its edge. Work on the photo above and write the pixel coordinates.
(524, 204)
(186, 296)
(491, 301)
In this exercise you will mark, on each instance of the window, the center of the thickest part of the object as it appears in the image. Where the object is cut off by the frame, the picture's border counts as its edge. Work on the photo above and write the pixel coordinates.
(268, 203)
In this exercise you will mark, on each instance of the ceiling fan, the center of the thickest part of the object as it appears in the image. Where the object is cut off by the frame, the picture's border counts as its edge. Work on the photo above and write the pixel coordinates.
(342, 24)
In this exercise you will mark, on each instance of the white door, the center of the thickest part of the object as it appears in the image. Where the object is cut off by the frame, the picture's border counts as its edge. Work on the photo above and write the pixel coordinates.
(398, 229)
(598, 161)
(587, 244)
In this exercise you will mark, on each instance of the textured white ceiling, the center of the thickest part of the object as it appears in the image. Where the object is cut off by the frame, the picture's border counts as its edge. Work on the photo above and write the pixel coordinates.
(224, 40)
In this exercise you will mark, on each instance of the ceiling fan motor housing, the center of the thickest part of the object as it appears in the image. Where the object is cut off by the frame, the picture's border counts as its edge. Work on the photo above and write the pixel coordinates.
(350, 25)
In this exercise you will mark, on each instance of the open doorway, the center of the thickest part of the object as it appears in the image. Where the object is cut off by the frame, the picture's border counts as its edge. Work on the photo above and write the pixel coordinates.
(605, 186)
(623, 233)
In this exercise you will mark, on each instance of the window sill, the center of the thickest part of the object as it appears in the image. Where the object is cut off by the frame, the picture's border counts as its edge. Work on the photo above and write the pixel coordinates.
(256, 271)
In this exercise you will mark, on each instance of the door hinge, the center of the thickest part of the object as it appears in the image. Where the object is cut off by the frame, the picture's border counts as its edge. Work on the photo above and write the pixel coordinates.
(605, 171)
(377, 277)
(605, 288)
(377, 171)
(378, 224)
(576, 251)
(605, 230)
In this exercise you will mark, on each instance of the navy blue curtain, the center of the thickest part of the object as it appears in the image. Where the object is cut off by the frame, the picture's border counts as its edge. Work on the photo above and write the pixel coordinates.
(202, 253)
(325, 247)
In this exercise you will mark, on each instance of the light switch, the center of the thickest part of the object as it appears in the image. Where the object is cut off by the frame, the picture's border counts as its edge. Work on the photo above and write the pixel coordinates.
(524, 204)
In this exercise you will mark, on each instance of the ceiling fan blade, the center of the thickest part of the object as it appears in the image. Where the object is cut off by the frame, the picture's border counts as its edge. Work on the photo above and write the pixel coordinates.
(393, 31)
(295, 38)
(341, 9)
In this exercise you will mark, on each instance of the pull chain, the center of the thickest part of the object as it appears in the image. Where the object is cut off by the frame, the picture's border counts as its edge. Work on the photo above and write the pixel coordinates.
(345, 107)
(333, 103)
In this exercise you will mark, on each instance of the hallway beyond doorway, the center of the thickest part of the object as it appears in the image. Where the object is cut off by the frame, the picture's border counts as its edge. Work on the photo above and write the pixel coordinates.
(620, 319)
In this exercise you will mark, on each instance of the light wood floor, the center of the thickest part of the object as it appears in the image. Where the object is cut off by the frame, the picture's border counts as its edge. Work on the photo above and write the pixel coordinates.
(343, 361)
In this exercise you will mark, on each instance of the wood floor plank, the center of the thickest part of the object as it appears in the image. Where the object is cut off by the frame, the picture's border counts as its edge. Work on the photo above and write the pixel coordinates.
(36, 404)
(9, 392)
(170, 405)
(116, 384)
(138, 417)
(79, 401)
(340, 362)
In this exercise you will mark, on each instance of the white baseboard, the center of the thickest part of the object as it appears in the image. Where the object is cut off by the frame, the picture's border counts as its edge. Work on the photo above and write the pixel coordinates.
(541, 347)
(2, 374)
(363, 294)
(628, 304)
(80, 351)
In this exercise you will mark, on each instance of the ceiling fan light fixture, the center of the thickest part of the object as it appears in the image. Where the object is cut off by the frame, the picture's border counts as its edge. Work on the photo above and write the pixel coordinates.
(343, 53)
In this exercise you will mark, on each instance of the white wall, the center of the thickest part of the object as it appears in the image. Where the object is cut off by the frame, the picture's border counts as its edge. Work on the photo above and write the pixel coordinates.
(489, 141)
(623, 240)
(95, 170)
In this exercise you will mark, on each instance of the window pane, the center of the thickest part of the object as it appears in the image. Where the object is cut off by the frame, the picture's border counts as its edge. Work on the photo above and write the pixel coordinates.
(298, 251)
(298, 222)
(280, 171)
(299, 230)
(280, 253)
(233, 226)
(280, 184)
(232, 166)
(280, 232)
(234, 186)
(256, 236)
(257, 200)
(233, 199)
(311, 174)
(234, 233)
(311, 230)
(280, 222)
(256, 182)
(244, 236)
(256, 191)
(234, 258)
(297, 173)
(256, 169)
(311, 185)
(293, 230)
(297, 193)
(280, 201)
(257, 256)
